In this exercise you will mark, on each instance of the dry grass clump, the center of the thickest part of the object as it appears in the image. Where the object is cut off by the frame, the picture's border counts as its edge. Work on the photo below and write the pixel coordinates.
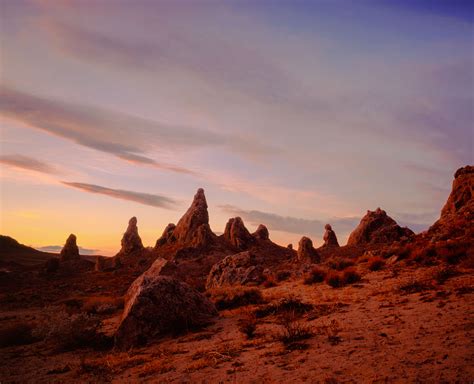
(339, 279)
(248, 324)
(283, 275)
(443, 274)
(16, 334)
(270, 281)
(415, 286)
(212, 358)
(341, 263)
(332, 331)
(287, 304)
(234, 297)
(68, 332)
(293, 330)
(316, 275)
(376, 263)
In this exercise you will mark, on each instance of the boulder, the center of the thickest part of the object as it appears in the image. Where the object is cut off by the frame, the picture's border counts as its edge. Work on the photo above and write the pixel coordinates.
(131, 241)
(261, 233)
(236, 234)
(193, 228)
(376, 227)
(330, 239)
(239, 269)
(167, 236)
(306, 251)
(158, 305)
(70, 250)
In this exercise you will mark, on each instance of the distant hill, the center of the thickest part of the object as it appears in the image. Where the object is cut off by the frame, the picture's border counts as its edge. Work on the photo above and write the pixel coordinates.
(12, 251)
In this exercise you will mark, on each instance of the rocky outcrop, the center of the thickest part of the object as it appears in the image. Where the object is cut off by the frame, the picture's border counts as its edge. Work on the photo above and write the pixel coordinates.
(237, 235)
(290, 246)
(52, 265)
(306, 251)
(330, 239)
(70, 250)
(103, 264)
(193, 228)
(131, 241)
(167, 236)
(457, 215)
(261, 233)
(240, 269)
(158, 305)
(376, 227)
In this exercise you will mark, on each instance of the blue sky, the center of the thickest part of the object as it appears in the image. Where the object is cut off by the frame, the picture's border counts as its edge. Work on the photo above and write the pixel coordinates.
(292, 114)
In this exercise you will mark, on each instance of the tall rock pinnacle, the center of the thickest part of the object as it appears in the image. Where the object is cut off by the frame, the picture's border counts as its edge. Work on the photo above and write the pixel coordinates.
(131, 241)
(70, 250)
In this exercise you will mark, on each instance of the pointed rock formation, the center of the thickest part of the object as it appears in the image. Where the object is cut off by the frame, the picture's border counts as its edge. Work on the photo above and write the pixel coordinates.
(261, 233)
(240, 269)
(236, 234)
(193, 228)
(306, 251)
(457, 215)
(70, 250)
(167, 236)
(376, 227)
(131, 241)
(290, 246)
(330, 239)
(157, 305)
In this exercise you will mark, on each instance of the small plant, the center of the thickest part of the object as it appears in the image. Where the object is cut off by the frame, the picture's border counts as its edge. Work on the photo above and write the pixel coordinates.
(248, 325)
(334, 279)
(415, 286)
(316, 275)
(234, 297)
(270, 281)
(350, 276)
(293, 329)
(332, 331)
(376, 263)
(340, 264)
(287, 304)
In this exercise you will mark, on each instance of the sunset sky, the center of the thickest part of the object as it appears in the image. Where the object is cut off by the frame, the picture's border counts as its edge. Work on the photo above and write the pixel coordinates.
(290, 114)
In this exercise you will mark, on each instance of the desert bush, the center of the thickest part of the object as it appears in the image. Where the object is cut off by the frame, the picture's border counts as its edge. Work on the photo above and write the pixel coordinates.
(16, 334)
(248, 324)
(316, 275)
(68, 332)
(415, 286)
(234, 297)
(443, 274)
(293, 329)
(334, 279)
(331, 331)
(283, 275)
(350, 276)
(287, 304)
(270, 281)
(376, 263)
(340, 263)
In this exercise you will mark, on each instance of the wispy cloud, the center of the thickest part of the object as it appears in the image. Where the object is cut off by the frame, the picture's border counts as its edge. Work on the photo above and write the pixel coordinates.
(138, 197)
(57, 249)
(28, 163)
(292, 224)
(128, 137)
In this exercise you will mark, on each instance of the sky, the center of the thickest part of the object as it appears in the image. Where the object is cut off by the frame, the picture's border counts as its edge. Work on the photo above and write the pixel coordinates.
(293, 114)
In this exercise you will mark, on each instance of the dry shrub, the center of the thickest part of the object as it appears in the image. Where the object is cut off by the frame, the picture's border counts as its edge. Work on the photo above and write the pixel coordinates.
(340, 263)
(293, 329)
(376, 263)
(270, 281)
(68, 332)
(248, 324)
(234, 297)
(350, 276)
(316, 275)
(283, 275)
(334, 279)
(16, 334)
(102, 305)
(338, 279)
(287, 304)
(212, 358)
(332, 331)
(443, 274)
(415, 286)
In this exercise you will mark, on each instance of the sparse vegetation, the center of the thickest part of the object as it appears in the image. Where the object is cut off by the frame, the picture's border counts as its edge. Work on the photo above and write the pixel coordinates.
(270, 281)
(248, 324)
(293, 329)
(350, 276)
(443, 274)
(316, 275)
(287, 304)
(338, 279)
(376, 263)
(334, 279)
(341, 263)
(415, 286)
(234, 297)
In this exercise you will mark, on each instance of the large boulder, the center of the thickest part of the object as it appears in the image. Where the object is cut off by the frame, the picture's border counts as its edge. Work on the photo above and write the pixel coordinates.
(330, 239)
(240, 269)
(193, 228)
(157, 305)
(236, 234)
(131, 241)
(457, 215)
(306, 251)
(376, 227)
(70, 250)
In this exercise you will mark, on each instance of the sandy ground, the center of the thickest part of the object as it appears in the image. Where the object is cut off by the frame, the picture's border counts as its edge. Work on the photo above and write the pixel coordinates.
(370, 332)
